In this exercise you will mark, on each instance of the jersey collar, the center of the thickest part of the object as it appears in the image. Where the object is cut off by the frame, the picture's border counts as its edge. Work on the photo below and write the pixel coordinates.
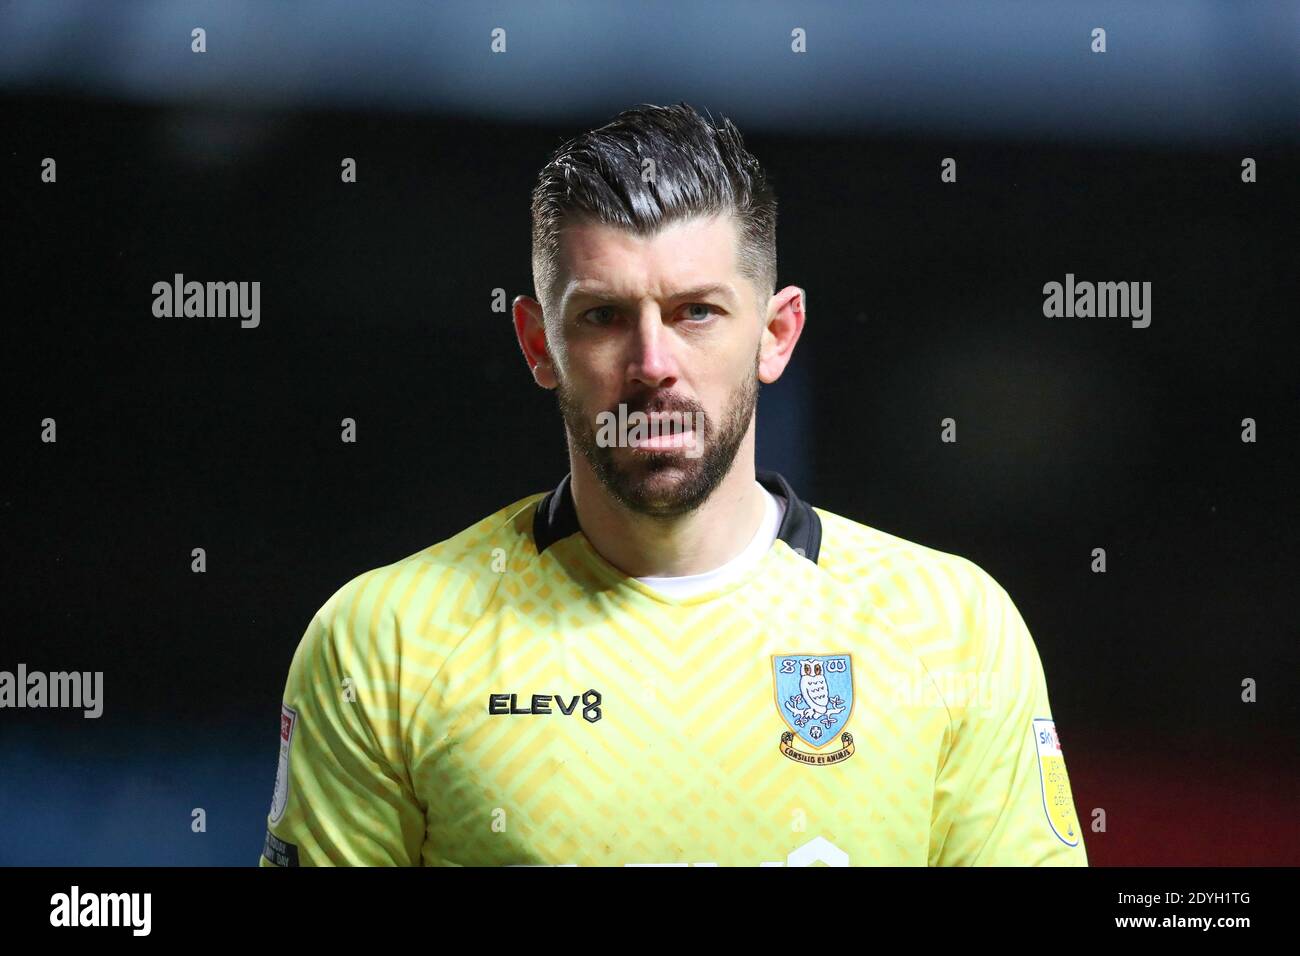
(801, 528)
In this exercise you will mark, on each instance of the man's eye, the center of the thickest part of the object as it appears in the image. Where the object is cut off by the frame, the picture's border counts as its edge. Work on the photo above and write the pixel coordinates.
(601, 315)
(605, 314)
(708, 310)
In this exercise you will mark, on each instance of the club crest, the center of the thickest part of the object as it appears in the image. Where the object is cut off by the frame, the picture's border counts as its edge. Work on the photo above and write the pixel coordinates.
(814, 695)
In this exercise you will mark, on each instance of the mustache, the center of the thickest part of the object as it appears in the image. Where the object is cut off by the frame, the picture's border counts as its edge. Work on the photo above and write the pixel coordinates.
(650, 404)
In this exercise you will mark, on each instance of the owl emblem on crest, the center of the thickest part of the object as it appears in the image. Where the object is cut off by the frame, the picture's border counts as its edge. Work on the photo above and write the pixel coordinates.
(814, 694)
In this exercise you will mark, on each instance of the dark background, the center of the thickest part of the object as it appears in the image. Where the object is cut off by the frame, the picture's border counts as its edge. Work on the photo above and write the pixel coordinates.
(925, 302)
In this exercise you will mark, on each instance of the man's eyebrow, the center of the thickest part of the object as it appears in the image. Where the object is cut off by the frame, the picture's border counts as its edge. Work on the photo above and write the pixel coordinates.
(597, 291)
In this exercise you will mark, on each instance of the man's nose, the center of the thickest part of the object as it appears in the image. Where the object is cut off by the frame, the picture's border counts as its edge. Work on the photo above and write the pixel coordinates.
(652, 362)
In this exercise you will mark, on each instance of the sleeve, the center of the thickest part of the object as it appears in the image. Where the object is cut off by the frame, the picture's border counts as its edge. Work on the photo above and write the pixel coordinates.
(1002, 796)
(342, 795)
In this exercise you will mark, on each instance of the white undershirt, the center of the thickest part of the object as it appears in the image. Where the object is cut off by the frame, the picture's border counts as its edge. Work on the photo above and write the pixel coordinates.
(689, 585)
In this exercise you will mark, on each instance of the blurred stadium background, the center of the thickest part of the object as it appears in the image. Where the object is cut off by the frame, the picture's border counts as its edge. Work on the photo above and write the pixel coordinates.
(924, 301)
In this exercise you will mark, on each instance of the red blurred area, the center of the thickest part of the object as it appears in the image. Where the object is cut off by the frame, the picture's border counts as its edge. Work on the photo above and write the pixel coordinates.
(1191, 806)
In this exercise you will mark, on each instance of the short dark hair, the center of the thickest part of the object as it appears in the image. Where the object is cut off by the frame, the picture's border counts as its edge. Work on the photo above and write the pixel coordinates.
(699, 170)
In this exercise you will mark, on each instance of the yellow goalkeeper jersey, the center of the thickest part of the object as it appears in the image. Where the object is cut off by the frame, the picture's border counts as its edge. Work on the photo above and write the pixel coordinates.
(507, 697)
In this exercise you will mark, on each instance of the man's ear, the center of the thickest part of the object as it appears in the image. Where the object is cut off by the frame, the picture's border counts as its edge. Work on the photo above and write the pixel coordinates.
(786, 313)
(530, 329)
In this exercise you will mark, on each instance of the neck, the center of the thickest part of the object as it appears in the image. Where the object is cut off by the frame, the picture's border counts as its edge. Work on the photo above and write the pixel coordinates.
(693, 543)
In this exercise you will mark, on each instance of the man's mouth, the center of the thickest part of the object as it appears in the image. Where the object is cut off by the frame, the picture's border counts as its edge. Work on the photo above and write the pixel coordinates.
(666, 430)
(677, 439)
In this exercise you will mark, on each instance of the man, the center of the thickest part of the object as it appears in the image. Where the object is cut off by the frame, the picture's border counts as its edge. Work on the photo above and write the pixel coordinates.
(669, 657)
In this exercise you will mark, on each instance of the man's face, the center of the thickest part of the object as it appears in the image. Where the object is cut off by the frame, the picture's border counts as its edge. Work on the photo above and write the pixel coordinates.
(662, 324)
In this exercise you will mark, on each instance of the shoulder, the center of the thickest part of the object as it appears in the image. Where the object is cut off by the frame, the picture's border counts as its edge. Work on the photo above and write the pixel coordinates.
(855, 552)
(944, 603)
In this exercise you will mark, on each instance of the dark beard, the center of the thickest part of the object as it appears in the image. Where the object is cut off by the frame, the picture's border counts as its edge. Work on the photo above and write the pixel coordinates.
(635, 485)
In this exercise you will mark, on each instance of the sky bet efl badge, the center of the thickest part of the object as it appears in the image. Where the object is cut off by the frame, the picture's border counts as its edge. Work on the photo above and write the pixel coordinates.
(1057, 799)
(814, 694)
(288, 720)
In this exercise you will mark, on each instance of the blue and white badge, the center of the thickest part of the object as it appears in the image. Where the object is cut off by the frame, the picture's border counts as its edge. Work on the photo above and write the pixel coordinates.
(814, 693)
